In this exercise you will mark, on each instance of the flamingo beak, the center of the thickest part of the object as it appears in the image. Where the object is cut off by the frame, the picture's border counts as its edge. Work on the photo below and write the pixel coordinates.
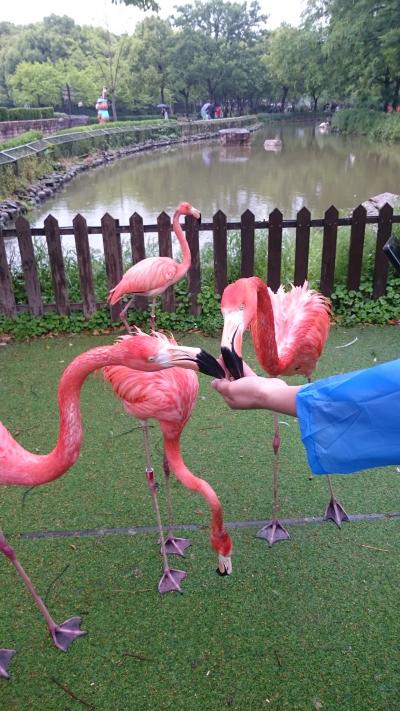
(231, 343)
(192, 358)
(196, 214)
(224, 565)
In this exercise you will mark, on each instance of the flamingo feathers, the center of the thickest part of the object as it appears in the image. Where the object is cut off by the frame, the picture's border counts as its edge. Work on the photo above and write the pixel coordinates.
(301, 328)
(149, 277)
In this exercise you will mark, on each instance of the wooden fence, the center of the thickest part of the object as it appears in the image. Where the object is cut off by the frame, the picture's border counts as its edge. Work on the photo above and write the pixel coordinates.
(111, 231)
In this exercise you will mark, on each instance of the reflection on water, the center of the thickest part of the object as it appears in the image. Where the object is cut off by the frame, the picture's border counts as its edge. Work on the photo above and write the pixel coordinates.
(312, 169)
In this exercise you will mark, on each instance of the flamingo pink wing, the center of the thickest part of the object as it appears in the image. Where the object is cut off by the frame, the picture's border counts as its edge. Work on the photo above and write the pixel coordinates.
(149, 277)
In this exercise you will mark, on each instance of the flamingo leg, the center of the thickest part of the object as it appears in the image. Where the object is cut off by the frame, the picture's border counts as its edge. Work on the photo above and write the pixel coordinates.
(64, 634)
(334, 510)
(153, 314)
(123, 314)
(171, 578)
(173, 545)
(274, 531)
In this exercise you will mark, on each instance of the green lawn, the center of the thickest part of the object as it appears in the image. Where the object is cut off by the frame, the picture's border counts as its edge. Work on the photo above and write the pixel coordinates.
(312, 623)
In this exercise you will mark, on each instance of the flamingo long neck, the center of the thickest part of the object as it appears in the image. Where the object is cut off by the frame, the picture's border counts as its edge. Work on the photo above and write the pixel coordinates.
(263, 332)
(220, 540)
(186, 254)
(18, 466)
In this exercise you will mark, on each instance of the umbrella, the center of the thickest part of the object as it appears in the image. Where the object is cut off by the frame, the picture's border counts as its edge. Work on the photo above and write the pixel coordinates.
(162, 106)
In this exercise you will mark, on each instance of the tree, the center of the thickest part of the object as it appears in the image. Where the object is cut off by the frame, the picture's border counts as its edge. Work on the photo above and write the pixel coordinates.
(222, 30)
(282, 61)
(141, 4)
(150, 61)
(37, 84)
(363, 46)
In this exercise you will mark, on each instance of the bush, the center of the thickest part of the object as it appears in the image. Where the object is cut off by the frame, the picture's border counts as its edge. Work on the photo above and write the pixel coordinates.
(21, 114)
(376, 124)
(21, 139)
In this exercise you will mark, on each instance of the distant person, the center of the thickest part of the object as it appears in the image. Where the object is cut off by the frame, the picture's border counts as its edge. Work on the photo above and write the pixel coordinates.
(166, 116)
(218, 111)
(211, 111)
(204, 111)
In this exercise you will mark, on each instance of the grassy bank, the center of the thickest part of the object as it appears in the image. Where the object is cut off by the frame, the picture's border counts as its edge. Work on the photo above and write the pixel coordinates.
(375, 124)
(310, 624)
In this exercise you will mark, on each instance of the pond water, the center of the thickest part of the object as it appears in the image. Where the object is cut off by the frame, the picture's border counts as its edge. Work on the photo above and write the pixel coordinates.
(311, 169)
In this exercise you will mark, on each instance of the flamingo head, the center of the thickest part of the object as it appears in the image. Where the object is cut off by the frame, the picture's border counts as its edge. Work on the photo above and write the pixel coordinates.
(185, 208)
(222, 543)
(239, 308)
(157, 352)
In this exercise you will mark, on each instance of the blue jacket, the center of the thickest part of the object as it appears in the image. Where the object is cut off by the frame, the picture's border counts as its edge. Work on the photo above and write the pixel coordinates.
(352, 421)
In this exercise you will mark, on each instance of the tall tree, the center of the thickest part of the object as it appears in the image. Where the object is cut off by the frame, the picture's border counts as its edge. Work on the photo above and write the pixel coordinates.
(363, 46)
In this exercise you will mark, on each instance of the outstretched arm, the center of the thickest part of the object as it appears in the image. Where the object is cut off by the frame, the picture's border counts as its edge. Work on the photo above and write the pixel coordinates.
(254, 392)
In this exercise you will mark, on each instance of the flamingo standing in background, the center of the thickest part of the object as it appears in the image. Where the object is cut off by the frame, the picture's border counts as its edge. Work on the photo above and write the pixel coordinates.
(289, 331)
(169, 396)
(152, 276)
(19, 467)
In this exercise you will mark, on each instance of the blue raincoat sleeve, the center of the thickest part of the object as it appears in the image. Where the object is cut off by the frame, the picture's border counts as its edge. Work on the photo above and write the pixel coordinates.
(352, 421)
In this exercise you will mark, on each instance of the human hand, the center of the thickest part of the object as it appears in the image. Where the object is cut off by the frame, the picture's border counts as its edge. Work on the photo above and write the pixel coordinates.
(252, 392)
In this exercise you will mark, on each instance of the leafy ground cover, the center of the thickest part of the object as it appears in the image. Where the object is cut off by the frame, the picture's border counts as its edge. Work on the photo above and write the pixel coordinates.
(309, 624)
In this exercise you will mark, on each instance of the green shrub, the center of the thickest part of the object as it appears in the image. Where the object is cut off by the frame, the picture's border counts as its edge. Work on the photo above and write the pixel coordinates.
(376, 124)
(21, 139)
(3, 113)
(21, 114)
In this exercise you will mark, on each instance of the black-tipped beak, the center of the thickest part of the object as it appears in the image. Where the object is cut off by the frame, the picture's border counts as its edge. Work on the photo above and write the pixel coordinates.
(222, 574)
(233, 362)
(209, 365)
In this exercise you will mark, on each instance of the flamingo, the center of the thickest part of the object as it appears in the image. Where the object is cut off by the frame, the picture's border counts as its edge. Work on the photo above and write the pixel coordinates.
(152, 276)
(289, 331)
(19, 467)
(169, 396)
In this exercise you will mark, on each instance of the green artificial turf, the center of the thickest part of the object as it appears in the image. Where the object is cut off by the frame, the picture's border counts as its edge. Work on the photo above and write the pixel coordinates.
(312, 623)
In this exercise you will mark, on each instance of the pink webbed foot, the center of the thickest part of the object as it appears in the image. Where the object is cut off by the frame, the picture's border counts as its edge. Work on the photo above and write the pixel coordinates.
(273, 532)
(335, 512)
(5, 657)
(176, 546)
(170, 580)
(63, 635)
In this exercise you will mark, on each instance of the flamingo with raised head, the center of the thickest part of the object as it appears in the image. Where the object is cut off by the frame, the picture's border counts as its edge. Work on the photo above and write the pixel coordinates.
(169, 396)
(19, 467)
(289, 331)
(153, 275)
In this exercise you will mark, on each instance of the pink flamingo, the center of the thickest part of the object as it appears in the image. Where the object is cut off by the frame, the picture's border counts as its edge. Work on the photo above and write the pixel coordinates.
(152, 276)
(289, 331)
(20, 467)
(169, 396)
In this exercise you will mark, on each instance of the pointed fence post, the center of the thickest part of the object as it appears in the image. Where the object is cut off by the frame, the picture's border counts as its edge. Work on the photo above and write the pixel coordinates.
(356, 248)
(274, 250)
(194, 275)
(52, 232)
(381, 263)
(7, 298)
(112, 256)
(84, 265)
(28, 262)
(302, 246)
(247, 232)
(165, 250)
(138, 252)
(329, 251)
(220, 251)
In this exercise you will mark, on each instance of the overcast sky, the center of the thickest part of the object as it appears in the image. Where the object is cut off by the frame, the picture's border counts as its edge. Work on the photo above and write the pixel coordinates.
(119, 18)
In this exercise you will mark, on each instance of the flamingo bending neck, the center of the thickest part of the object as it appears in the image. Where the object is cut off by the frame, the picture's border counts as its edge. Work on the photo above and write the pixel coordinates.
(220, 539)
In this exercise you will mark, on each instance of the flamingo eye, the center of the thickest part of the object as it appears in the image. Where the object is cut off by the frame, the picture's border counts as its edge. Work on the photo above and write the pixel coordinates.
(241, 307)
(151, 359)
